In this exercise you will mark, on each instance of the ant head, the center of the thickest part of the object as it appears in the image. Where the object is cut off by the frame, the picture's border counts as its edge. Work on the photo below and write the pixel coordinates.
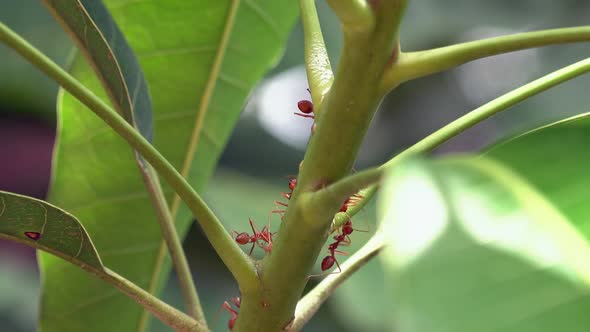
(347, 227)
(236, 300)
(328, 262)
(267, 248)
(292, 184)
(305, 106)
(243, 238)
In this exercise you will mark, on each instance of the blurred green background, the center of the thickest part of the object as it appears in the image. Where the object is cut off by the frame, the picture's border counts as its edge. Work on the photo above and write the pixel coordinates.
(268, 143)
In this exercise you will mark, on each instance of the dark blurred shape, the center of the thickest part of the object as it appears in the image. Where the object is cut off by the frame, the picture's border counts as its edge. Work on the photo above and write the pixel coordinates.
(25, 165)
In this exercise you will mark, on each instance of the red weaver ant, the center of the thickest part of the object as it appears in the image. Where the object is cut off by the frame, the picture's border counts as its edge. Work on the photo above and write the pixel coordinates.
(264, 235)
(343, 239)
(287, 195)
(350, 201)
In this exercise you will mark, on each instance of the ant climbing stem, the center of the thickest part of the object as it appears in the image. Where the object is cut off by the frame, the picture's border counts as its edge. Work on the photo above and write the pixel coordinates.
(329, 261)
(263, 235)
(287, 195)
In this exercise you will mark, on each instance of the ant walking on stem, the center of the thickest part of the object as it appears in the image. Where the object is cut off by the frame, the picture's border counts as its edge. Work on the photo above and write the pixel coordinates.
(287, 195)
(340, 239)
(262, 238)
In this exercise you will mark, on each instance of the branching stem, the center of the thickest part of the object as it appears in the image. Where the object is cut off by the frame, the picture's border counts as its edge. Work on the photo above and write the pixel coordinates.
(341, 126)
(414, 65)
(233, 257)
(311, 302)
(355, 15)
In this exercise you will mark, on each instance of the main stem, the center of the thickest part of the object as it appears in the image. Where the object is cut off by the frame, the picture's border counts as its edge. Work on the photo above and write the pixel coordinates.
(341, 127)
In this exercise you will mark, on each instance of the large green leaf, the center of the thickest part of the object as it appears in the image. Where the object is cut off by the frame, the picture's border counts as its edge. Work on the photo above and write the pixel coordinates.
(555, 160)
(101, 41)
(43, 226)
(201, 59)
(475, 248)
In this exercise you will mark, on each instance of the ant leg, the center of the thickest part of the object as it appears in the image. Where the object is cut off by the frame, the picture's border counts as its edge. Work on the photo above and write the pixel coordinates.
(281, 203)
(340, 252)
(338, 265)
(278, 209)
(325, 273)
(232, 312)
(261, 235)
(255, 235)
(253, 226)
(368, 229)
(305, 115)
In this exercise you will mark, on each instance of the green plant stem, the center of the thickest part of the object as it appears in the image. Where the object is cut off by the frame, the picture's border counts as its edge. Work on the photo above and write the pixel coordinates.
(233, 257)
(167, 314)
(337, 192)
(414, 65)
(346, 114)
(317, 62)
(355, 15)
(312, 301)
(481, 113)
(185, 278)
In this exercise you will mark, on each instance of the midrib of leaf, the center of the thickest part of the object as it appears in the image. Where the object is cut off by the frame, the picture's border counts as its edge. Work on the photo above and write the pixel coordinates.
(196, 134)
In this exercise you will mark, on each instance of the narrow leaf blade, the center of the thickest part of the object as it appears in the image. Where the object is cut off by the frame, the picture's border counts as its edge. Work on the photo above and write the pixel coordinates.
(43, 226)
(102, 42)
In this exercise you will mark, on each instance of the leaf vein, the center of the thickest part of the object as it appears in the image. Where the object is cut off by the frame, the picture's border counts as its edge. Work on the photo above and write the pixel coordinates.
(235, 82)
(175, 51)
(264, 16)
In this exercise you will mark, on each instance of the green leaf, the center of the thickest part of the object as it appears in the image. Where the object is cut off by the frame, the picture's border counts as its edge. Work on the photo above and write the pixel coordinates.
(200, 59)
(43, 226)
(554, 159)
(472, 247)
(101, 41)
